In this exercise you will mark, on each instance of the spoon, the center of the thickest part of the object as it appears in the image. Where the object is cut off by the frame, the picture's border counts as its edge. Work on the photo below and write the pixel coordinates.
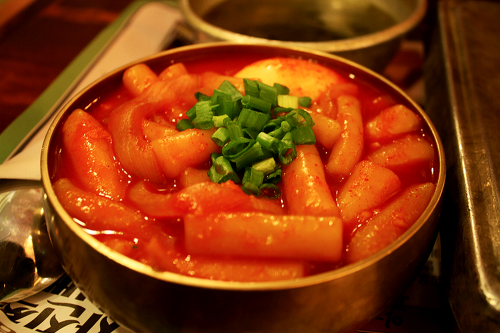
(28, 262)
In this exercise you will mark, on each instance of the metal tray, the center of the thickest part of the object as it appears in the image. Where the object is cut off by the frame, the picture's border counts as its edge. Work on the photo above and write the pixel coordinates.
(462, 74)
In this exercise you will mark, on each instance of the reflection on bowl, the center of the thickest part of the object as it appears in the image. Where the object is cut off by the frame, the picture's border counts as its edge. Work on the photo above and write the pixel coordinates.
(152, 299)
(368, 32)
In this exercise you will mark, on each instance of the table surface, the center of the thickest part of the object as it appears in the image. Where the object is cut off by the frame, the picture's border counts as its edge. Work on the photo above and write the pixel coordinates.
(39, 41)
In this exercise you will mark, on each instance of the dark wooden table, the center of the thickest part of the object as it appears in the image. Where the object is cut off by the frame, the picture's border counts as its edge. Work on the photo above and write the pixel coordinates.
(40, 41)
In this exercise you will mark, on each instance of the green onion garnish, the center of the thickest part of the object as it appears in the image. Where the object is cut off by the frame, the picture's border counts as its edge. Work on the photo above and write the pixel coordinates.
(243, 152)
(274, 177)
(256, 103)
(286, 149)
(184, 124)
(277, 133)
(235, 130)
(253, 119)
(230, 89)
(281, 89)
(251, 87)
(191, 113)
(201, 97)
(269, 191)
(303, 135)
(221, 171)
(250, 133)
(285, 126)
(288, 101)
(252, 180)
(268, 142)
(214, 156)
(220, 137)
(305, 101)
(219, 121)
(268, 93)
(272, 125)
(234, 147)
(298, 118)
(204, 115)
(267, 166)
(227, 106)
(255, 131)
(279, 109)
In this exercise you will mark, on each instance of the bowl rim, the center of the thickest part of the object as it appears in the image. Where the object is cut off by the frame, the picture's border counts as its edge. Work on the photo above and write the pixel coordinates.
(345, 45)
(176, 278)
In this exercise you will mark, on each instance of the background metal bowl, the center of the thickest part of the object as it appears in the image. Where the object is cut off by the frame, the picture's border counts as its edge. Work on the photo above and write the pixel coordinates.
(145, 300)
(368, 32)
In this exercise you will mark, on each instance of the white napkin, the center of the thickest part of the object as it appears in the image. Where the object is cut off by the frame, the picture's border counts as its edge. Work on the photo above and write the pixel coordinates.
(146, 33)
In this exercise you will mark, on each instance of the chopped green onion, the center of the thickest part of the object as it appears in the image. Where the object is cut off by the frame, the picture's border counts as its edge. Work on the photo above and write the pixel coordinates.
(298, 118)
(253, 119)
(184, 124)
(303, 135)
(224, 167)
(250, 188)
(272, 125)
(254, 131)
(250, 133)
(219, 121)
(270, 191)
(279, 109)
(226, 106)
(267, 141)
(252, 180)
(268, 93)
(202, 124)
(277, 133)
(219, 96)
(235, 130)
(266, 153)
(243, 152)
(191, 113)
(221, 171)
(234, 95)
(274, 177)
(200, 97)
(251, 155)
(229, 88)
(204, 115)
(214, 176)
(214, 156)
(267, 166)
(288, 101)
(305, 101)
(285, 126)
(286, 149)
(221, 136)
(251, 87)
(281, 89)
(234, 147)
(256, 103)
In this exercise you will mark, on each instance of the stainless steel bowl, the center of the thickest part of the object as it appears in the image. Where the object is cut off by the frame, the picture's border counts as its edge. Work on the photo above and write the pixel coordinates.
(145, 300)
(368, 32)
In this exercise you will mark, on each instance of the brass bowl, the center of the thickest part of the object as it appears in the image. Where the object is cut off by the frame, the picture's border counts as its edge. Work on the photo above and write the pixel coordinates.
(145, 300)
(365, 31)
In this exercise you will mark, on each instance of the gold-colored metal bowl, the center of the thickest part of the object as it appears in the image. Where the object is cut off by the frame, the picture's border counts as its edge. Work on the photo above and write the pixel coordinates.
(145, 300)
(368, 32)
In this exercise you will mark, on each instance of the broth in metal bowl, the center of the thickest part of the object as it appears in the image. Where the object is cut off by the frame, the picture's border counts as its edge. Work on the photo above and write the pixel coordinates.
(368, 32)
